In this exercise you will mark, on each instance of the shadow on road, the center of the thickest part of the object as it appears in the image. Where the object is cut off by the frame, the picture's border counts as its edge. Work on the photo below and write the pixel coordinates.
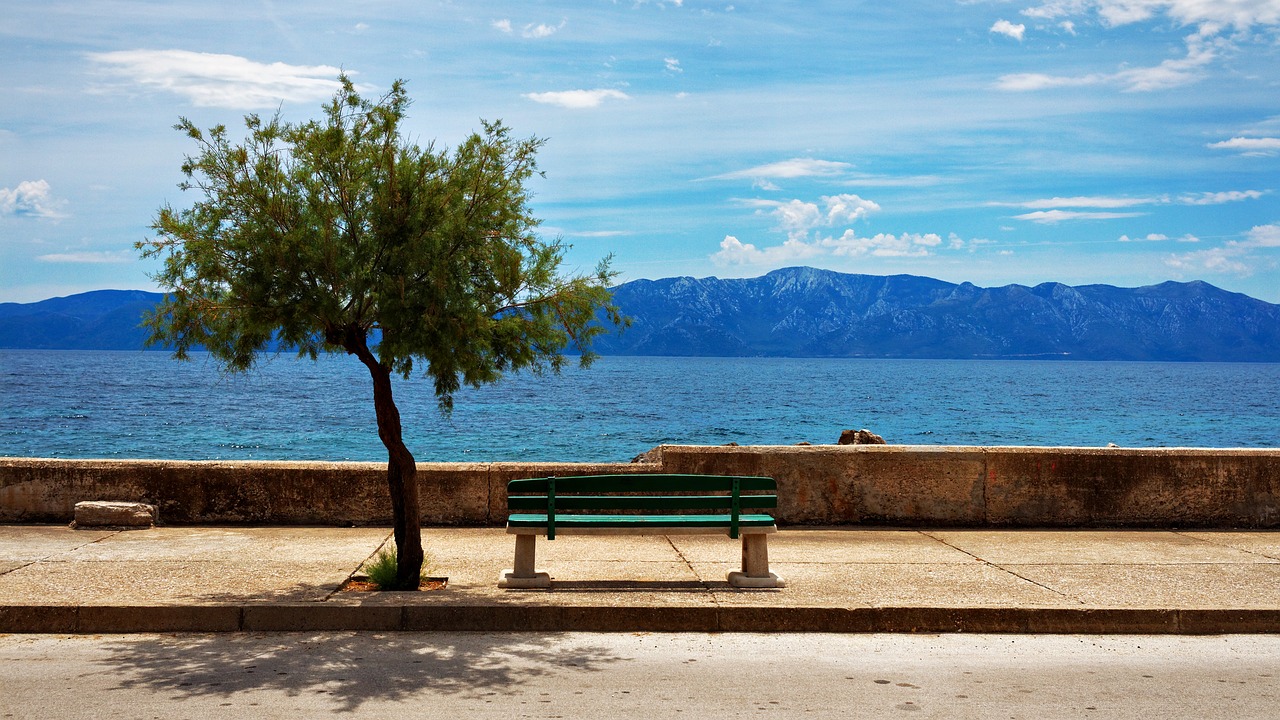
(351, 668)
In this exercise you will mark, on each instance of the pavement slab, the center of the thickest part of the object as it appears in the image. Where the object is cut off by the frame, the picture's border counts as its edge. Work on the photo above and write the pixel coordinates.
(251, 546)
(168, 582)
(945, 585)
(1191, 586)
(836, 546)
(1092, 547)
(1263, 543)
(28, 543)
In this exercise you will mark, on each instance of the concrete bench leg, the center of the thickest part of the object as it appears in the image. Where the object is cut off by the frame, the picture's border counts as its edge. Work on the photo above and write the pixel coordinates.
(755, 564)
(523, 575)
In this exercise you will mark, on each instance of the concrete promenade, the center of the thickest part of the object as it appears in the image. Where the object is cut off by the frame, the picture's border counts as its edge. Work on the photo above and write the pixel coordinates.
(200, 578)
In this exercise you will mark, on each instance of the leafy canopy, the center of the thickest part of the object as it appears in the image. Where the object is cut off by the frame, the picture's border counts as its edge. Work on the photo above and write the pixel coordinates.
(336, 233)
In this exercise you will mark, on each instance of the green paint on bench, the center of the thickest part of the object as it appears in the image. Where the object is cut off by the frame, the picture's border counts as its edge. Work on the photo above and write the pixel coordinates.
(554, 495)
(638, 502)
(622, 521)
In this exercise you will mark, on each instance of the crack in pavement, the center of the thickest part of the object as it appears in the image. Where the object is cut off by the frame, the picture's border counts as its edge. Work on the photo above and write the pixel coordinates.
(990, 564)
(110, 534)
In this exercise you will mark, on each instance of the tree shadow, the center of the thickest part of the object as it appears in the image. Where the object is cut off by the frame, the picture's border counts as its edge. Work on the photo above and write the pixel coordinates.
(351, 668)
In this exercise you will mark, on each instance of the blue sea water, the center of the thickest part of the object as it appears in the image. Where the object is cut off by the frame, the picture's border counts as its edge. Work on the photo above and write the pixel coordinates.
(88, 404)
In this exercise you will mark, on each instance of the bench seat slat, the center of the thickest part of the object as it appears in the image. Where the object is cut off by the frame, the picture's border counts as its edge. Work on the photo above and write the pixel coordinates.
(642, 483)
(623, 521)
(638, 502)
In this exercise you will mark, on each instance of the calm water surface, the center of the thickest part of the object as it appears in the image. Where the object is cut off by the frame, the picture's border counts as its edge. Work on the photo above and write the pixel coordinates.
(146, 405)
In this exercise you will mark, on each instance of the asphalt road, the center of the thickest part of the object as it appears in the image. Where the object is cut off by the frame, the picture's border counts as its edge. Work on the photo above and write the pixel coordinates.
(651, 676)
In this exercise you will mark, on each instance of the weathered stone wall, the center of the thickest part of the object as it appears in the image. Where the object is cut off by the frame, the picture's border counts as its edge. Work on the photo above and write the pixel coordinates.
(1007, 486)
(270, 493)
(823, 485)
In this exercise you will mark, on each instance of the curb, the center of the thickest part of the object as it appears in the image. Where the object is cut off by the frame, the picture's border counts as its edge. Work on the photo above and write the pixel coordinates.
(88, 619)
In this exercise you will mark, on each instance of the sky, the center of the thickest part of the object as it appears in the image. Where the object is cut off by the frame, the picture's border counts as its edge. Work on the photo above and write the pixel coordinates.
(1122, 142)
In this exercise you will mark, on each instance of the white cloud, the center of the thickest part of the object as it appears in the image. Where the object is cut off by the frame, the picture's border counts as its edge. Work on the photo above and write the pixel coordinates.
(794, 216)
(599, 233)
(1170, 73)
(1151, 237)
(539, 31)
(1264, 236)
(1225, 259)
(1213, 14)
(1085, 202)
(229, 81)
(1068, 27)
(882, 245)
(502, 26)
(1004, 27)
(1166, 75)
(673, 65)
(89, 258)
(735, 252)
(1220, 198)
(1030, 82)
(955, 242)
(31, 198)
(797, 217)
(905, 181)
(848, 245)
(577, 99)
(1204, 46)
(1049, 217)
(788, 169)
(1236, 257)
(1249, 146)
(1069, 208)
(1057, 204)
(847, 208)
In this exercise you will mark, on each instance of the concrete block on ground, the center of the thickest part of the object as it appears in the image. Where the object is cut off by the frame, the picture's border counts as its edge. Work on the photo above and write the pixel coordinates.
(97, 513)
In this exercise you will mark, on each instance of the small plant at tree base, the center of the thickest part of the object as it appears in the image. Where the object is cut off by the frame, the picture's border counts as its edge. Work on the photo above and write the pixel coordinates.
(382, 570)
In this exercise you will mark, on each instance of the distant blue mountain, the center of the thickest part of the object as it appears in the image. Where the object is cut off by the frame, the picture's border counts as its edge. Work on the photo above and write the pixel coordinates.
(98, 320)
(804, 312)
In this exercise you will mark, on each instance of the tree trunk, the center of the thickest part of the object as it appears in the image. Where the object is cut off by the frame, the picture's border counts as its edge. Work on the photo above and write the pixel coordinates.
(402, 469)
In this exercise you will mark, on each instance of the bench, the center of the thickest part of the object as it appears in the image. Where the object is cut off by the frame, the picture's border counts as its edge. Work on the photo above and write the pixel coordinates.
(641, 504)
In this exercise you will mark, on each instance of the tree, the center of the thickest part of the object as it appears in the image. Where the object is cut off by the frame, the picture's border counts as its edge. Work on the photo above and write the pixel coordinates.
(338, 235)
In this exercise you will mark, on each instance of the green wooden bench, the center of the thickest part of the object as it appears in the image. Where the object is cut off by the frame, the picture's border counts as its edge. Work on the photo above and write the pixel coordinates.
(642, 504)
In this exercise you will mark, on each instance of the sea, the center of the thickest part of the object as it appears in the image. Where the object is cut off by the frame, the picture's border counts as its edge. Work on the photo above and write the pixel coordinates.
(96, 404)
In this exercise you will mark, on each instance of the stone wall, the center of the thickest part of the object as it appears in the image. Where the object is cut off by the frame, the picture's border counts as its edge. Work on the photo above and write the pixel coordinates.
(1007, 486)
(820, 485)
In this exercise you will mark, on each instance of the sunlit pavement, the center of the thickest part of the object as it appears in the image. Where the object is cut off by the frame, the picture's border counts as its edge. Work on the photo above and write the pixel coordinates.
(55, 579)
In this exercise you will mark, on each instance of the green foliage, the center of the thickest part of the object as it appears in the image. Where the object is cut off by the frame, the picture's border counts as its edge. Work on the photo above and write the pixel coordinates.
(381, 571)
(321, 233)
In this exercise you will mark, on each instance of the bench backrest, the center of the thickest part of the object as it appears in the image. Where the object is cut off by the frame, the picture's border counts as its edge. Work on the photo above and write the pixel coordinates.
(642, 492)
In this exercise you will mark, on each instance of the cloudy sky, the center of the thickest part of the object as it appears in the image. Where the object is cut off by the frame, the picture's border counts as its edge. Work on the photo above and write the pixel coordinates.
(1125, 142)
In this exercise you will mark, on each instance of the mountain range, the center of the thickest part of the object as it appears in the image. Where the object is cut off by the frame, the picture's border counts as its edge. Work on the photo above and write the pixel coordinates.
(805, 312)
(98, 320)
